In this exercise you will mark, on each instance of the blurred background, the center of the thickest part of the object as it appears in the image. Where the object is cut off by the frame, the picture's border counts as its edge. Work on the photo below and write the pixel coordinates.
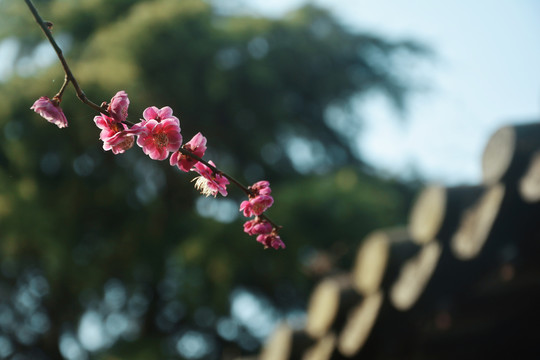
(346, 107)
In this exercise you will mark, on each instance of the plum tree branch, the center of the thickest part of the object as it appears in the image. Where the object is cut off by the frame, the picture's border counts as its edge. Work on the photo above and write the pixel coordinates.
(69, 75)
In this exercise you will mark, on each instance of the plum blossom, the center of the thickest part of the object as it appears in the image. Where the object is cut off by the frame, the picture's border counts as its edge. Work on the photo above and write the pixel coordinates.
(272, 240)
(209, 182)
(197, 146)
(261, 188)
(259, 199)
(157, 139)
(116, 136)
(118, 107)
(160, 133)
(257, 226)
(256, 205)
(50, 110)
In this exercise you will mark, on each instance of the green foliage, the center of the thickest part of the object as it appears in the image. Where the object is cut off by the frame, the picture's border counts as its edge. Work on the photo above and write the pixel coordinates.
(255, 87)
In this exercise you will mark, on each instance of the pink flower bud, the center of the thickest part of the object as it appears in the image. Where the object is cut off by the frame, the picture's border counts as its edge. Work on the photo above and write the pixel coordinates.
(118, 107)
(261, 188)
(50, 110)
(257, 226)
(271, 240)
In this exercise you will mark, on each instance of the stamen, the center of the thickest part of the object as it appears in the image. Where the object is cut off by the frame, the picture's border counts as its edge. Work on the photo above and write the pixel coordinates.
(116, 127)
(127, 143)
(161, 139)
(201, 184)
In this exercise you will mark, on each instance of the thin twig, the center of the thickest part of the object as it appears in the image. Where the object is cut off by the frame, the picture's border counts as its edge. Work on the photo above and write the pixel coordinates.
(69, 75)
(61, 91)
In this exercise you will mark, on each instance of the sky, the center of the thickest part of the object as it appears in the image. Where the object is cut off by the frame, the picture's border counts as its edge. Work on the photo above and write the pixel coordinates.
(485, 74)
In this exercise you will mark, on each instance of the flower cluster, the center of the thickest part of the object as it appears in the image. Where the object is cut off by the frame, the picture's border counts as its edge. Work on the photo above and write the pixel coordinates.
(158, 134)
(259, 201)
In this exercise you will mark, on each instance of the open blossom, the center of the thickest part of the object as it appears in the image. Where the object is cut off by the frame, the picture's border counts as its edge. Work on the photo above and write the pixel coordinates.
(209, 183)
(50, 110)
(197, 146)
(256, 206)
(157, 139)
(118, 107)
(272, 240)
(116, 136)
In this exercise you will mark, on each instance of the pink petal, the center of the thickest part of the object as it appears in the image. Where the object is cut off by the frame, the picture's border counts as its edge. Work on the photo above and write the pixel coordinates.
(165, 112)
(150, 113)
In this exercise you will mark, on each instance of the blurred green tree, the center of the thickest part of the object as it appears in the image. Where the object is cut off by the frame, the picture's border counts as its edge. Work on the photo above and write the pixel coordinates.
(118, 256)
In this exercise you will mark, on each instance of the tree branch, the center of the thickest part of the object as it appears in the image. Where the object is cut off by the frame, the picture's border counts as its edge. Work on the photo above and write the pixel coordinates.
(69, 75)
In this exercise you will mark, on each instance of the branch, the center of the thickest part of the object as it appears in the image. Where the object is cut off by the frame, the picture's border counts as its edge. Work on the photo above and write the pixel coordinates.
(69, 75)
(275, 241)
(230, 178)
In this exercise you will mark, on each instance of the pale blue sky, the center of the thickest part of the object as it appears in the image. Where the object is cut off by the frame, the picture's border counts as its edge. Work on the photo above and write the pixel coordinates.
(487, 74)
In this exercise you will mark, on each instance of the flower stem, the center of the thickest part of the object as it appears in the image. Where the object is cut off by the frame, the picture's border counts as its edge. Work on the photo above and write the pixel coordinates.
(61, 91)
(69, 75)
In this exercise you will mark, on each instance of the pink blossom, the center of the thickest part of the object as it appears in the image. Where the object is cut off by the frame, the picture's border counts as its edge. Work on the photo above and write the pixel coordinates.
(272, 240)
(197, 146)
(257, 226)
(209, 183)
(50, 110)
(159, 138)
(261, 188)
(256, 205)
(118, 107)
(153, 113)
(259, 199)
(116, 136)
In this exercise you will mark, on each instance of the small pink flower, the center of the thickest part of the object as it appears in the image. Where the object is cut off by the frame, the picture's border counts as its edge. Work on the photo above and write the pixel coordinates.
(261, 188)
(256, 206)
(50, 110)
(118, 107)
(159, 138)
(257, 226)
(209, 183)
(197, 145)
(271, 240)
(116, 136)
(153, 113)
